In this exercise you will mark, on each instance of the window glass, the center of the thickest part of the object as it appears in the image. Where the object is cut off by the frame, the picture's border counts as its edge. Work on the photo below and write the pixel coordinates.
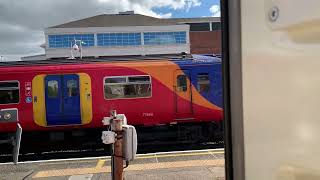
(203, 82)
(216, 26)
(72, 87)
(199, 27)
(9, 92)
(116, 80)
(53, 89)
(119, 39)
(132, 87)
(182, 83)
(67, 40)
(163, 38)
(139, 79)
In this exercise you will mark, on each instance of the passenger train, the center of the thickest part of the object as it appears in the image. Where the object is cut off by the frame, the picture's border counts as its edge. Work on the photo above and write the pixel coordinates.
(66, 95)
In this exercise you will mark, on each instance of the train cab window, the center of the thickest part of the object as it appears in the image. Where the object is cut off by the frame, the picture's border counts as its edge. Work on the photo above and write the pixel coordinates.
(9, 92)
(182, 83)
(203, 82)
(72, 87)
(53, 89)
(127, 87)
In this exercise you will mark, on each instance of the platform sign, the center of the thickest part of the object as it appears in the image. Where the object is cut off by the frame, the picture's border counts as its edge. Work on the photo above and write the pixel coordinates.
(28, 88)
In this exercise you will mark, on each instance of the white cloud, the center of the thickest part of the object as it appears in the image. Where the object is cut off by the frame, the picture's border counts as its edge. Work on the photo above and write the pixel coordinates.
(22, 22)
(215, 10)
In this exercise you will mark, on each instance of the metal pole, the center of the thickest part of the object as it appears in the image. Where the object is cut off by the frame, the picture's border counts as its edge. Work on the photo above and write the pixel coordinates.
(118, 151)
(118, 160)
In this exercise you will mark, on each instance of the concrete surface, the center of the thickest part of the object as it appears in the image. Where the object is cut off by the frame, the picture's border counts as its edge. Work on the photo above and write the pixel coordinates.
(186, 165)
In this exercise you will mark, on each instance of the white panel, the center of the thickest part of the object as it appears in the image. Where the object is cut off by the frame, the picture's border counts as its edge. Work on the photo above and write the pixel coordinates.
(294, 12)
(117, 29)
(130, 142)
(109, 51)
(281, 86)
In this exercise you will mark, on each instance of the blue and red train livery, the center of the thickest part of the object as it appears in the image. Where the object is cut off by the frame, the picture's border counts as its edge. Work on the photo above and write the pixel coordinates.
(60, 95)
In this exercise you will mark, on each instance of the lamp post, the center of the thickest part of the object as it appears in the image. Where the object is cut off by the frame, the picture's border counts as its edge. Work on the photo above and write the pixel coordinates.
(76, 48)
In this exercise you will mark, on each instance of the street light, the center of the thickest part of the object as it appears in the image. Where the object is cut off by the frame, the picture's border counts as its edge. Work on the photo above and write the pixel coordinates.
(75, 47)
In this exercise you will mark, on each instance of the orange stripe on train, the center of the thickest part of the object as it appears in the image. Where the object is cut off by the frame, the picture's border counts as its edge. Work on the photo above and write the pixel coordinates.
(158, 71)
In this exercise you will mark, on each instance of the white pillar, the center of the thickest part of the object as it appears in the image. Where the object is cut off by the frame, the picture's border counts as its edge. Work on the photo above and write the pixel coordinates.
(95, 39)
(142, 44)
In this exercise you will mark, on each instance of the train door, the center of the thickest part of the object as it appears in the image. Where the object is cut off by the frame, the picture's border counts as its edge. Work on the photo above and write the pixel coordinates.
(62, 99)
(183, 96)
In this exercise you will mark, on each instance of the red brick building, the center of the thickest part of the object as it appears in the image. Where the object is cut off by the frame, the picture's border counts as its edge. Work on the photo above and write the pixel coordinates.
(205, 42)
(204, 33)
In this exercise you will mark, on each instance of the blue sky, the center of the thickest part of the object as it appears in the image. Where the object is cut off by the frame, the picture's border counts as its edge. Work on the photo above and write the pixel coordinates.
(198, 11)
(18, 18)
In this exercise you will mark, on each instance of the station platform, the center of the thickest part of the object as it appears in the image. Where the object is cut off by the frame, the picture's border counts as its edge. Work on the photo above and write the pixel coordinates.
(182, 165)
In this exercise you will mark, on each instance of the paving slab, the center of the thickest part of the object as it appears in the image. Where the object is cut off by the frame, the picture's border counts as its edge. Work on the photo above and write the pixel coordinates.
(186, 165)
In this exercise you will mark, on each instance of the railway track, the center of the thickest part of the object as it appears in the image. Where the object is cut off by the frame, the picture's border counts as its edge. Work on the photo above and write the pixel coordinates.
(105, 151)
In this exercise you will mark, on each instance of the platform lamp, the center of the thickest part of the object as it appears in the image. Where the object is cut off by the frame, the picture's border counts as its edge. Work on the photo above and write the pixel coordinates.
(75, 47)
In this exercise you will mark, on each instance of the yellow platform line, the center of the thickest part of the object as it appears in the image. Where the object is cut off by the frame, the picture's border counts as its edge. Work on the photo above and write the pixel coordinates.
(148, 156)
(100, 163)
(181, 154)
(135, 167)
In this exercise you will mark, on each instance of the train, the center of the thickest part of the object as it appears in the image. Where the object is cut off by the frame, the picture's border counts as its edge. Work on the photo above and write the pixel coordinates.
(62, 95)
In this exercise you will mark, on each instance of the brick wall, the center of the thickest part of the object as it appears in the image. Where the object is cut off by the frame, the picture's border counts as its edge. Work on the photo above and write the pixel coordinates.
(205, 42)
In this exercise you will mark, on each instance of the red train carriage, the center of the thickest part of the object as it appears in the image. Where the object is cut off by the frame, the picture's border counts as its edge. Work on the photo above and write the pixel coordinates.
(61, 95)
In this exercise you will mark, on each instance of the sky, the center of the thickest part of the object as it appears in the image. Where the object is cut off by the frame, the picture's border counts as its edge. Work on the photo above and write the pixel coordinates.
(22, 21)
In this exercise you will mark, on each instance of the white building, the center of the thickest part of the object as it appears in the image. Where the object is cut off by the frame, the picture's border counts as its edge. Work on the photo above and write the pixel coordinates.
(120, 34)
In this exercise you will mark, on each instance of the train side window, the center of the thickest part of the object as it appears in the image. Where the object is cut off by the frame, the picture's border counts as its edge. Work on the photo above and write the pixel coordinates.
(182, 83)
(127, 87)
(53, 89)
(72, 87)
(203, 82)
(9, 92)
(116, 80)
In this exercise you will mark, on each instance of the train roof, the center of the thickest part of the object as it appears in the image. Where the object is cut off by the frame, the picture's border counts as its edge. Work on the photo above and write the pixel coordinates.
(181, 60)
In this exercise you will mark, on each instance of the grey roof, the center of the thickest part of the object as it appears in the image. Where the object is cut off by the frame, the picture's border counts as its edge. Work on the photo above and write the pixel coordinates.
(109, 20)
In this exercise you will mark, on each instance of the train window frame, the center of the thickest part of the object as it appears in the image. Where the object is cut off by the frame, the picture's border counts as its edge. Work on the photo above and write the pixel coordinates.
(18, 91)
(127, 82)
(200, 82)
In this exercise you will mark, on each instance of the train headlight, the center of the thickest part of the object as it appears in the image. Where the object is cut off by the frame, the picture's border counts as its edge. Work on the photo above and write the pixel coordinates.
(7, 116)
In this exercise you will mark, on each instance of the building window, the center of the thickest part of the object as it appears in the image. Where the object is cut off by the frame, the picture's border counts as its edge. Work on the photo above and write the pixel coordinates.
(127, 87)
(203, 82)
(53, 89)
(163, 38)
(67, 40)
(199, 27)
(119, 39)
(216, 26)
(9, 92)
(182, 83)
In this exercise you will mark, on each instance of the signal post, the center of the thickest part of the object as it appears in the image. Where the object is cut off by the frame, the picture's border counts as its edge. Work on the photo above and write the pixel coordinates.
(123, 138)
(117, 149)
